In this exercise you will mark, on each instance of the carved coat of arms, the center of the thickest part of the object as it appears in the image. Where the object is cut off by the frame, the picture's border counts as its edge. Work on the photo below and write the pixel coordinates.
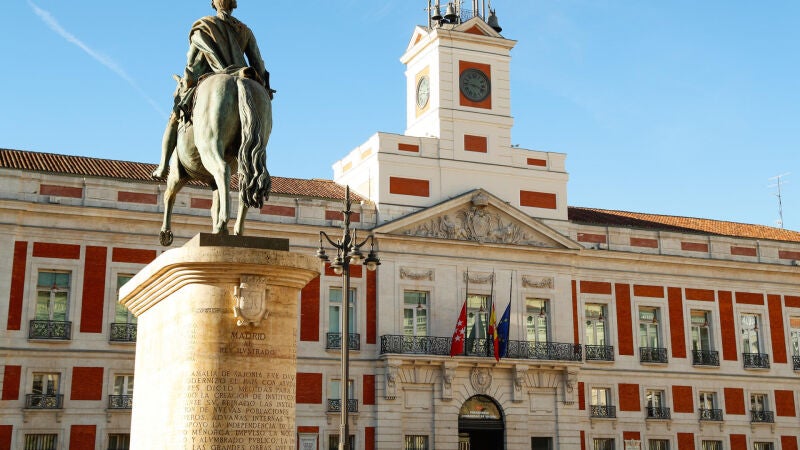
(250, 300)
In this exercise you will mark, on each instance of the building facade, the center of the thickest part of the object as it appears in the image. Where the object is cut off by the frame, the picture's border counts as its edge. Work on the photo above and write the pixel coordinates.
(626, 330)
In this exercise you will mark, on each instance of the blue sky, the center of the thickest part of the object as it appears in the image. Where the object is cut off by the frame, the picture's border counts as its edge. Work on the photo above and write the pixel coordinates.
(682, 107)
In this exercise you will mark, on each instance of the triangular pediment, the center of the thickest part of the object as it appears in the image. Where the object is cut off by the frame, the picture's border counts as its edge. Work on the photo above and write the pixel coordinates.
(476, 25)
(478, 216)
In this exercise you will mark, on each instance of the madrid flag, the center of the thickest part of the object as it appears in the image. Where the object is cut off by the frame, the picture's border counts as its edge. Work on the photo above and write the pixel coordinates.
(457, 343)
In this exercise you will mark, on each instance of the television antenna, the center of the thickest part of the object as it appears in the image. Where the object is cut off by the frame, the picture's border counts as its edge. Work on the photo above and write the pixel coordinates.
(779, 181)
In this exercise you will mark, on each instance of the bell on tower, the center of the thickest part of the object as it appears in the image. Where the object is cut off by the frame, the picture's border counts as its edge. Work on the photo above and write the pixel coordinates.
(493, 22)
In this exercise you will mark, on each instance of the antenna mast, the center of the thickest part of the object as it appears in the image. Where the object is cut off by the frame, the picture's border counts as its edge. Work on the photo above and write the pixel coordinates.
(778, 183)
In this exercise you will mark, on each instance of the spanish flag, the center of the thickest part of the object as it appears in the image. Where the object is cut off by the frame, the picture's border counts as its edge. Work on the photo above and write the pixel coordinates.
(492, 335)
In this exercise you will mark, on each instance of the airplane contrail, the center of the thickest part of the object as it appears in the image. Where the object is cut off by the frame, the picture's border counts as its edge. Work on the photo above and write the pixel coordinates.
(109, 63)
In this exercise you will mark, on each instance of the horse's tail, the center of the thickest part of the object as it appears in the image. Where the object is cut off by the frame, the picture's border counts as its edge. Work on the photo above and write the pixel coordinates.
(256, 122)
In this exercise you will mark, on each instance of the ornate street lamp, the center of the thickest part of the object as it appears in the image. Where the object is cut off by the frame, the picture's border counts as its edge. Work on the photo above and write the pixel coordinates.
(348, 251)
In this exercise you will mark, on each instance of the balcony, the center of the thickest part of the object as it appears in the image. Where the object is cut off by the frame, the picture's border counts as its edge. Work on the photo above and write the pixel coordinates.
(658, 412)
(335, 405)
(713, 415)
(755, 360)
(599, 352)
(762, 417)
(603, 411)
(440, 346)
(653, 355)
(796, 362)
(123, 332)
(333, 341)
(705, 358)
(51, 330)
(120, 401)
(44, 401)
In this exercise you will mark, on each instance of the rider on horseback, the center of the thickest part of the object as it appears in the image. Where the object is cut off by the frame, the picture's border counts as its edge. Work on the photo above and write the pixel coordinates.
(217, 44)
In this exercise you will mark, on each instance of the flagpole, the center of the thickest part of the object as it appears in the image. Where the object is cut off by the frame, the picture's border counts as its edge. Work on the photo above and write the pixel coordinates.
(489, 322)
(466, 298)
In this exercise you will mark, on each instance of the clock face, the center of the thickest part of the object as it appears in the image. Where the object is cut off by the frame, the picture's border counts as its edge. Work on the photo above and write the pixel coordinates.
(423, 91)
(474, 85)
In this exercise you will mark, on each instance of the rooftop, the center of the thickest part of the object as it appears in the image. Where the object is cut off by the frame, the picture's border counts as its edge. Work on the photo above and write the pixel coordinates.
(326, 189)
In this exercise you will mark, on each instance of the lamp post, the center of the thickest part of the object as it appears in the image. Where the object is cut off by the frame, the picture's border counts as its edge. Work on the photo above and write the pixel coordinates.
(348, 251)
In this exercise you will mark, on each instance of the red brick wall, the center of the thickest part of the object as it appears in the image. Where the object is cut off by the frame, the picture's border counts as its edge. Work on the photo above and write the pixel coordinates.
(87, 383)
(682, 399)
(337, 215)
(624, 323)
(408, 147)
(676, 325)
(132, 255)
(201, 203)
(284, 211)
(309, 388)
(533, 199)
(631, 435)
(728, 326)
(475, 143)
(734, 401)
(94, 290)
(5, 436)
(738, 442)
(409, 186)
(685, 441)
(581, 396)
(369, 438)
(706, 295)
(11, 378)
(785, 254)
(595, 287)
(575, 314)
(641, 290)
(62, 251)
(642, 242)
(593, 238)
(743, 251)
(372, 307)
(788, 442)
(776, 328)
(309, 311)
(694, 247)
(629, 397)
(17, 292)
(791, 301)
(583, 440)
(60, 191)
(369, 390)
(137, 197)
(784, 403)
(749, 298)
(82, 437)
(537, 162)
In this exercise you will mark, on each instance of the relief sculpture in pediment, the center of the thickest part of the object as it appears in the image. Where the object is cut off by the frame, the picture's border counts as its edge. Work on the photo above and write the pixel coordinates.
(475, 224)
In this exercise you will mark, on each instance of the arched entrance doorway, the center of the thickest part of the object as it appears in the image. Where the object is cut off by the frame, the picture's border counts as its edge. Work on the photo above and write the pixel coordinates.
(481, 425)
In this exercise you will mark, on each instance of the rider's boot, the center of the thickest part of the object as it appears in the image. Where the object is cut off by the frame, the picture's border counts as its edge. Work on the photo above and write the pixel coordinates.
(168, 143)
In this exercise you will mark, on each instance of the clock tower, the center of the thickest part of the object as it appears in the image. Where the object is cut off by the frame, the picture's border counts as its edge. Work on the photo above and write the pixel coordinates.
(457, 80)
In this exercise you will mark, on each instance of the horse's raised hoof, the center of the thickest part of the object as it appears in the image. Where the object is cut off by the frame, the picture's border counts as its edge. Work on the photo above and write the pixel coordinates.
(165, 238)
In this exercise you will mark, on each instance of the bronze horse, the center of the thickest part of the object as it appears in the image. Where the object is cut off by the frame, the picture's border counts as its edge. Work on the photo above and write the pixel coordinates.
(231, 124)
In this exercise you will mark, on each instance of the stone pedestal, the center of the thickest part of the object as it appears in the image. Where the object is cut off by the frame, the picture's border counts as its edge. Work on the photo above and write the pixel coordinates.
(216, 347)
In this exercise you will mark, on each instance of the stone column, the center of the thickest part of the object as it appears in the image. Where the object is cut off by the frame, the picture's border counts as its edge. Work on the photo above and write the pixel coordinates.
(216, 351)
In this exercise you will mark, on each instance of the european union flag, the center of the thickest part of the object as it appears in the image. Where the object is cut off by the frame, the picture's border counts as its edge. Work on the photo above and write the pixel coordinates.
(502, 330)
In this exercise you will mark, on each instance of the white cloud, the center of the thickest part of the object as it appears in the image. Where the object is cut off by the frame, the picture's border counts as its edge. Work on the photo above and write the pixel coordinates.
(109, 63)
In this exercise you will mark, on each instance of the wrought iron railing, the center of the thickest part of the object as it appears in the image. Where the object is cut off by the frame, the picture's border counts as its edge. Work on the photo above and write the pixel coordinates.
(120, 401)
(599, 352)
(710, 414)
(603, 411)
(658, 412)
(705, 358)
(44, 401)
(333, 341)
(653, 355)
(762, 416)
(440, 346)
(335, 405)
(123, 332)
(50, 329)
(755, 360)
(796, 362)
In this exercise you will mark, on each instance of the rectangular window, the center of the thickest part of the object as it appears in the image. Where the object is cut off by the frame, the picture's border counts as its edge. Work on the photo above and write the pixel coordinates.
(601, 397)
(415, 313)
(658, 444)
(749, 328)
(45, 383)
(416, 442)
(794, 334)
(335, 308)
(603, 444)
(654, 398)
(333, 442)
(649, 336)
(41, 441)
(536, 323)
(763, 446)
(707, 400)
(758, 402)
(52, 296)
(711, 445)
(541, 443)
(477, 316)
(701, 335)
(121, 314)
(335, 390)
(119, 441)
(596, 324)
(123, 385)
